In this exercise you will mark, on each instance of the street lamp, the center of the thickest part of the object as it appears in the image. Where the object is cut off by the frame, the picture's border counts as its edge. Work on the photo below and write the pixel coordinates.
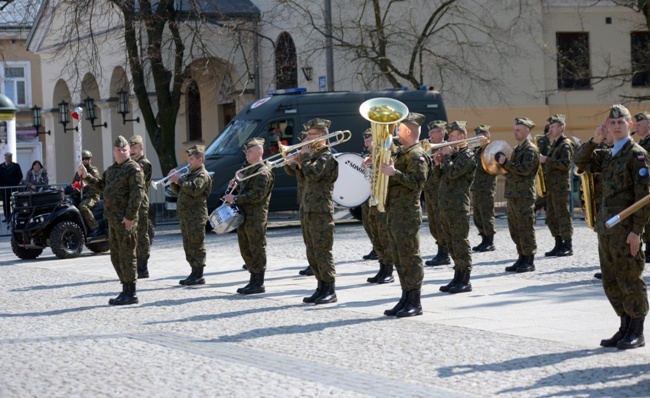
(90, 108)
(36, 117)
(123, 106)
(65, 117)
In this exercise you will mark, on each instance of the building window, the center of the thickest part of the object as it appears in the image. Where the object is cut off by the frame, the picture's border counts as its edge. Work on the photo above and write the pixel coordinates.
(286, 68)
(640, 49)
(15, 78)
(194, 112)
(573, 68)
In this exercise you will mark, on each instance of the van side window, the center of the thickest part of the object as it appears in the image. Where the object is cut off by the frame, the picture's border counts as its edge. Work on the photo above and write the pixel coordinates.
(278, 132)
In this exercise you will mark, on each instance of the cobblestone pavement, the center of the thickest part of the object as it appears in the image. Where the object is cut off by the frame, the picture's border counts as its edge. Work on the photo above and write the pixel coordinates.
(533, 335)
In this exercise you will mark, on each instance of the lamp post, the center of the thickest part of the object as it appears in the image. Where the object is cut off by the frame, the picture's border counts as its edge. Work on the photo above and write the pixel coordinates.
(64, 117)
(123, 106)
(90, 108)
(36, 117)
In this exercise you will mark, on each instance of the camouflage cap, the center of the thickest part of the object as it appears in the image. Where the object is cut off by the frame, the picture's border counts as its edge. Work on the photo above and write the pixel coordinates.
(317, 123)
(86, 154)
(618, 111)
(458, 125)
(557, 118)
(367, 133)
(415, 118)
(136, 139)
(482, 129)
(120, 142)
(196, 149)
(254, 142)
(437, 124)
(524, 121)
(645, 115)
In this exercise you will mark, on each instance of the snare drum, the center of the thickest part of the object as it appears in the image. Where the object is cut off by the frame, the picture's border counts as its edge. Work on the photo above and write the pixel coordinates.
(351, 188)
(226, 218)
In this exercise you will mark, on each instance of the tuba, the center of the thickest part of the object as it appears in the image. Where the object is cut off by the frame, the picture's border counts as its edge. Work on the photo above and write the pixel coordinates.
(383, 115)
(587, 187)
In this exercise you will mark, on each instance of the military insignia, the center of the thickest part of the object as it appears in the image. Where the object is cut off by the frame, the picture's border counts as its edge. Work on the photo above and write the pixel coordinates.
(141, 164)
(530, 148)
(323, 159)
(264, 173)
(640, 157)
(201, 174)
(137, 168)
(467, 155)
(421, 159)
(643, 172)
(566, 146)
(615, 114)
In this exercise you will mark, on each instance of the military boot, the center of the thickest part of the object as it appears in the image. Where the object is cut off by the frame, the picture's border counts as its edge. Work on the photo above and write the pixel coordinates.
(556, 248)
(387, 276)
(197, 279)
(413, 307)
(375, 278)
(328, 294)
(463, 285)
(430, 263)
(256, 285)
(143, 270)
(398, 307)
(191, 276)
(371, 256)
(451, 284)
(513, 267)
(250, 281)
(127, 297)
(489, 244)
(307, 271)
(317, 293)
(480, 246)
(120, 297)
(566, 250)
(618, 336)
(634, 336)
(442, 259)
(528, 265)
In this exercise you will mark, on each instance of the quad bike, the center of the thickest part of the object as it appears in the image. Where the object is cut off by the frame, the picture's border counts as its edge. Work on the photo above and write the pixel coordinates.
(51, 218)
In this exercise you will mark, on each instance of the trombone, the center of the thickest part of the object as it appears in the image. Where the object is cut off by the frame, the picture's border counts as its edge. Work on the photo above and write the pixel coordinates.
(165, 181)
(287, 152)
(472, 143)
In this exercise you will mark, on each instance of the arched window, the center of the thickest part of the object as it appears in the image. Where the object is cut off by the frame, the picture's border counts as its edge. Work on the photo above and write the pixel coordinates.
(194, 112)
(286, 68)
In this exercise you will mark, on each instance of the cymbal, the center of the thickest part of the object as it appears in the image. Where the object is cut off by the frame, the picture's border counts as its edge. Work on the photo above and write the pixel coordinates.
(490, 164)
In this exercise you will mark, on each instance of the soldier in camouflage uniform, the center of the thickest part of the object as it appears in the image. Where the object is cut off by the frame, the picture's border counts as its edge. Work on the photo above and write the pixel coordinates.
(455, 166)
(365, 207)
(557, 176)
(320, 171)
(437, 130)
(253, 195)
(144, 246)
(483, 190)
(544, 147)
(643, 132)
(408, 174)
(193, 189)
(123, 187)
(90, 196)
(520, 193)
(626, 180)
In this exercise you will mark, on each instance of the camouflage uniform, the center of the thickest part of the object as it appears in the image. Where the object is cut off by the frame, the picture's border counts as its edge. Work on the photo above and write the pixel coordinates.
(431, 189)
(293, 170)
(483, 190)
(193, 190)
(90, 198)
(543, 144)
(557, 175)
(143, 250)
(645, 144)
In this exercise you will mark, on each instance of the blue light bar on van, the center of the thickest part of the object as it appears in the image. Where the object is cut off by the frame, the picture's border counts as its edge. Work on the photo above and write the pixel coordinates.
(296, 90)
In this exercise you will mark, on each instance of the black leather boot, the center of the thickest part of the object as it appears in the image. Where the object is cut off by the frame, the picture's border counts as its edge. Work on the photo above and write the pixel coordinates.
(566, 250)
(513, 267)
(451, 284)
(478, 247)
(556, 248)
(127, 297)
(256, 285)
(307, 271)
(429, 263)
(317, 293)
(190, 276)
(250, 280)
(441, 259)
(387, 276)
(489, 244)
(121, 296)
(143, 270)
(413, 306)
(375, 278)
(400, 304)
(328, 295)
(528, 265)
(618, 336)
(634, 336)
(463, 285)
(197, 279)
(371, 256)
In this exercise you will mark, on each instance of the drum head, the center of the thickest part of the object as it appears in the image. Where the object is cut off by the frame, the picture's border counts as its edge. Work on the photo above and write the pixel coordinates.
(226, 218)
(351, 188)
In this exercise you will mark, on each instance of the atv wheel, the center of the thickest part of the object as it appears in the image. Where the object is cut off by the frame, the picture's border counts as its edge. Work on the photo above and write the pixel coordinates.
(24, 254)
(67, 240)
(99, 247)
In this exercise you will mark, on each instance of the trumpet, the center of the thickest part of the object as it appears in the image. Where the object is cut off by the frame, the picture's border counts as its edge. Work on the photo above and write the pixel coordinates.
(471, 143)
(287, 152)
(165, 181)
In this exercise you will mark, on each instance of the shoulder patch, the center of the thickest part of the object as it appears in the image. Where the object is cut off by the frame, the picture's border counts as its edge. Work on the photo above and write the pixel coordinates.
(530, 148)
(566, 146)
(137, 168)
(323, 159)
(467, 155)
(264, 173)
(201, 174)
(640, 157)
(421, 158)
(643, 172)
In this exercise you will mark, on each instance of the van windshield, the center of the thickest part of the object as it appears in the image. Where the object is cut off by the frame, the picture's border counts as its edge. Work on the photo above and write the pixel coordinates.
(231, 140)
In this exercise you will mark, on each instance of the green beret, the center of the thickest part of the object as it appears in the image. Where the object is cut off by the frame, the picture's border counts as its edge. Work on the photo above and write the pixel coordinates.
(136, 139)
(618, 111)
(86, 154)
(367, 133)
(9, 154)
(645, 115)
(196, 149)
(120, 142)
(482, 129)
(415, 118)
(317, 123)
(458, 125)
(437, 124)
(254, 142)
(524, 121)
(557, 118)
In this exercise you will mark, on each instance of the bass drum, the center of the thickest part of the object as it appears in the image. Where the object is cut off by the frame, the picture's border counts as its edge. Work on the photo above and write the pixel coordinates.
(352, 187)
(226, 218)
